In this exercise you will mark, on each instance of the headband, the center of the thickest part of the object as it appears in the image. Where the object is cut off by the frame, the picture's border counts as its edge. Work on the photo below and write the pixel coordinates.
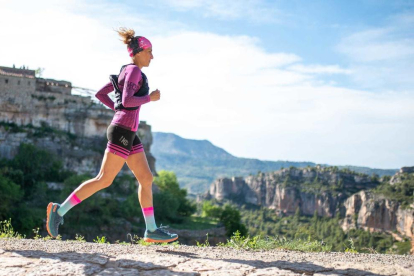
(138, 44)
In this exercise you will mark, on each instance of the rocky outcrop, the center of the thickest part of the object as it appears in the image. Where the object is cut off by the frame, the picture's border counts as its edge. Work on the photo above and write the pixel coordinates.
(309, 189)
(326, 191)
(376, 213)
(396, 178)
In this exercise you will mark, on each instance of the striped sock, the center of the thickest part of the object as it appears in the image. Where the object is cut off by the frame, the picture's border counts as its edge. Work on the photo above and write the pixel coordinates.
(149, 218)
(71, 201)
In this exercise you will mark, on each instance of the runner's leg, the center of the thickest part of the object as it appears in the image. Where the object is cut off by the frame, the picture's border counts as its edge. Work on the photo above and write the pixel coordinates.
(118, 148)
(138, 164)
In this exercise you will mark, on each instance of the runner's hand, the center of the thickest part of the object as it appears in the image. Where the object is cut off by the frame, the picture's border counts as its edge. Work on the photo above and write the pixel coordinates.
(155, 95)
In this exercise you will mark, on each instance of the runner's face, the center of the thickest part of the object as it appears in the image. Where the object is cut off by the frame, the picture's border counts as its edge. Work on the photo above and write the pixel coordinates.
(145, 56)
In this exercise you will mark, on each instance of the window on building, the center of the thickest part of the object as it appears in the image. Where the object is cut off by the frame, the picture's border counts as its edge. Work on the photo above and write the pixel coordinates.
(28, 83)
(18, 82)
(6, 80)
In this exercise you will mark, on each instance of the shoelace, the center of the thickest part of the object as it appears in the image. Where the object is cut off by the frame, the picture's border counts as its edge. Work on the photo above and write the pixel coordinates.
(163, 228)
(59, 221)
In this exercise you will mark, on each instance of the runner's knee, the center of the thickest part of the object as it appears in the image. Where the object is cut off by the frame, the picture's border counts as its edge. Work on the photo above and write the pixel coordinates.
(104, 180)
(146, 180)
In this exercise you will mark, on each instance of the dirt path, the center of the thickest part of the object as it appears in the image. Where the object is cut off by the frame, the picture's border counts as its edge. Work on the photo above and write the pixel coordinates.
(38, 257)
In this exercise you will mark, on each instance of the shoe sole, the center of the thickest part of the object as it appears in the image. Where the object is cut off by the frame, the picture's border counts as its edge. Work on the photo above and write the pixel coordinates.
(151, 240)
(48, 210)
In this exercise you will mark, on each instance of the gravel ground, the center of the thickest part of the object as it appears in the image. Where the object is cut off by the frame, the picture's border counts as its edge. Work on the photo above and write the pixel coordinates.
(39, 257)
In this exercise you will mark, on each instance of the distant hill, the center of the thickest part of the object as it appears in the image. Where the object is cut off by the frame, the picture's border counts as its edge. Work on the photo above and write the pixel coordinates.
(197, 163)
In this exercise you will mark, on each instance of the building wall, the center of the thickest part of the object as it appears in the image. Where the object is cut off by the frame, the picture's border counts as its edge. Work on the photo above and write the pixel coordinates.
(28, 100)
(22, 84)
(50, 85)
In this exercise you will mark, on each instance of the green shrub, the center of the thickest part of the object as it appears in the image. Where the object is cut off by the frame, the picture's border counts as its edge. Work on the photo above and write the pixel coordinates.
(176, 204)
(230, 217)
(100, 239)
(210, 210)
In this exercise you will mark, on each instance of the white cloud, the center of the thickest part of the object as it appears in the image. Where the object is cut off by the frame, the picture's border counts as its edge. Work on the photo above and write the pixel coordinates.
(226, 89)
(377, 45)
(319, 69)
(259, 11)
(382, 58)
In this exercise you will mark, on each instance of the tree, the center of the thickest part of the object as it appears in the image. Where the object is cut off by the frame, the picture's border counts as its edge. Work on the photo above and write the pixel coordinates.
(166, 207)
(230, 217)
(210, 210)
(9, 196)
(167, 183)
(39, 72)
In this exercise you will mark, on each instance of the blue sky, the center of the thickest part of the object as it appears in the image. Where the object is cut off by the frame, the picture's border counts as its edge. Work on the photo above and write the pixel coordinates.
(323, 81)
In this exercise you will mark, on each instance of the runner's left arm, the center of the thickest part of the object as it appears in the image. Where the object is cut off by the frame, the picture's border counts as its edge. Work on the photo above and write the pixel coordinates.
(102, 95)
(132, 84)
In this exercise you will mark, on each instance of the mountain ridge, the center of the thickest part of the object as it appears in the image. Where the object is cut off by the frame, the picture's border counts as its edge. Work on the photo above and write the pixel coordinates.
(197, 163)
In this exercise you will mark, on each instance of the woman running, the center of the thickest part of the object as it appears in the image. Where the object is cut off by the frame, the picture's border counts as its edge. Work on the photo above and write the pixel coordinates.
(131, 92)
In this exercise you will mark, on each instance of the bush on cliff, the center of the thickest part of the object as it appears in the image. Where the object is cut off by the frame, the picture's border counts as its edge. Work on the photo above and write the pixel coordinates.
(265, 222)
(401, 191)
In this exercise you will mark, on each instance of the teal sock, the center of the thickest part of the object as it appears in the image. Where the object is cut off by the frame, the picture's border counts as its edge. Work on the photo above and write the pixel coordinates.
(70, 202)
(149, 218)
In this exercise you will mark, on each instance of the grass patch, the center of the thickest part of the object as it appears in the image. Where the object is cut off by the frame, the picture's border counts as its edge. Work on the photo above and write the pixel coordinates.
(7, 231)
(259, 243)
(100, 240)
(140, 241)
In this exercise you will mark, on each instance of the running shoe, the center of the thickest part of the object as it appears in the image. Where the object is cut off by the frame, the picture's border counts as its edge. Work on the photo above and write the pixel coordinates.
(161, 234)
(53, 219)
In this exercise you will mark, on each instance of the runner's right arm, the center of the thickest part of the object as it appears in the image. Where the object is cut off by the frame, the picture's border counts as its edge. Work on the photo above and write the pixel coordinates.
(102, 95)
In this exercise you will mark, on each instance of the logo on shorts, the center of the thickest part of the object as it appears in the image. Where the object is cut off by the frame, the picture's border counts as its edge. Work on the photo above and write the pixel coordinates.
(124, 141)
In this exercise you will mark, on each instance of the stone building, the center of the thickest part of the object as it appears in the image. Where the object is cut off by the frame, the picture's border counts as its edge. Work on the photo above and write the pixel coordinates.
(27, 100)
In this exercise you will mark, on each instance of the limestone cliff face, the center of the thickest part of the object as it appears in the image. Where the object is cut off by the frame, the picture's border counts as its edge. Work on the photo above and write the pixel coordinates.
(324, 190)
(375, 213)
(274, 190)
(74, 114)
(79, 154)
(27, 100)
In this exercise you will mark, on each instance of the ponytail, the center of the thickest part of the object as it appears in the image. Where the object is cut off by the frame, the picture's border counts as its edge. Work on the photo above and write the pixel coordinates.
(126, 35)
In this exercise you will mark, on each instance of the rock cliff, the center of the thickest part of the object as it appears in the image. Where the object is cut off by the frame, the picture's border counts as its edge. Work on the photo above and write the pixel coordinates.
(309, 189)
(79, 154)
(374, 212)
(325, 190)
